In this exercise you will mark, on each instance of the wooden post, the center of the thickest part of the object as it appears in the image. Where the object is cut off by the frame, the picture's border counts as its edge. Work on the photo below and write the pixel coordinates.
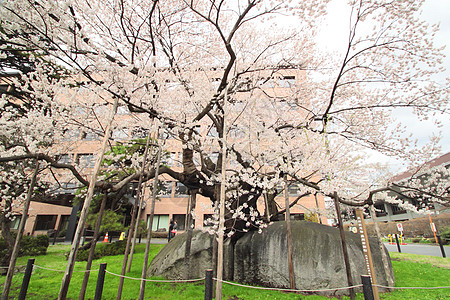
(26, 279)
(92, 249)
(367, 287)
(84, 211)
(289, 235)
(208, 284)
(23, 220)
(149, 231)
(366, 251)
(441, 246)
(344, 246)
(398, 244)
(100, 281)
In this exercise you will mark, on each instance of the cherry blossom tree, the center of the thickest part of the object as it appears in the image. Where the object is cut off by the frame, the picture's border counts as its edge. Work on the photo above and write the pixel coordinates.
(290, 110)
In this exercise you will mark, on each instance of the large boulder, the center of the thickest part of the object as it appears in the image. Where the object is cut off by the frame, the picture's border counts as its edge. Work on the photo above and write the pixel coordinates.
(261, 259)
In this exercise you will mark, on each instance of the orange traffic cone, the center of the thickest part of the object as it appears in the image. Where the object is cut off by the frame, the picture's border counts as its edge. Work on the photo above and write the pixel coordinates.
(105, 240)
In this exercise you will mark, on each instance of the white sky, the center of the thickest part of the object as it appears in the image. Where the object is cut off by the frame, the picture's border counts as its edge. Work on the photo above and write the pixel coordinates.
(333, 37)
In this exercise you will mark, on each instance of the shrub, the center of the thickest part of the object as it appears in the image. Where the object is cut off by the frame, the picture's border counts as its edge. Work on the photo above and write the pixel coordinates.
(103, 249)
(445, 235)
(29, 245)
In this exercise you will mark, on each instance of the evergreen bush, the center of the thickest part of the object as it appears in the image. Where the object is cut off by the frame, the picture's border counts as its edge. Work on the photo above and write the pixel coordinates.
(103, 249)
(29, 245)
(445, 236)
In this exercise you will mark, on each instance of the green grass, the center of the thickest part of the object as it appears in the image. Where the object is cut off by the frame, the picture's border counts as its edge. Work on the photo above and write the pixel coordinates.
(410, 271)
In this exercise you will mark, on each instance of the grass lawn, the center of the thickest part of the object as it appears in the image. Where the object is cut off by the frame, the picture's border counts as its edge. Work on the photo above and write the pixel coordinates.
(410, 271)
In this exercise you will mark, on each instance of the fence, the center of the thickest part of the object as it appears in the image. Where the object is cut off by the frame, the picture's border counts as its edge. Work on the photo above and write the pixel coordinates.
(209, 283)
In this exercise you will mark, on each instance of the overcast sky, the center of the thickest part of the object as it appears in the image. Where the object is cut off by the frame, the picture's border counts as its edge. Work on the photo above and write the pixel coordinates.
(333, 37)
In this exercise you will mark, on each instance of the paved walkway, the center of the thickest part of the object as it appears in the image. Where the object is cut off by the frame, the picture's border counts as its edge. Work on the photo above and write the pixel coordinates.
(423, 249)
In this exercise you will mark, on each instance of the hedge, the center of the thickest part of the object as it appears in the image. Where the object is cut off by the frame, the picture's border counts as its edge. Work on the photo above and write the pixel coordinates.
(103, 249)
(29, 245)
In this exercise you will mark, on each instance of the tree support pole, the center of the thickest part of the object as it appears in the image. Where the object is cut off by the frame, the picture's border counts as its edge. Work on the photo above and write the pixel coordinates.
(149, 231)
(23, 220)
(92, 248)
(189, 229)
(344, 246)
(221, 229)
(133, 224)
(289, 235)
(84, 211)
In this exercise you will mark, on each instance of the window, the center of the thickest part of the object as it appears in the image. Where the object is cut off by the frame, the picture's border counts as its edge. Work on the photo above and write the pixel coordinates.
(172, 159)
(212, 132)
(380, 210)
(122, 110)
(299, 216)
(70, 135)
(86, 160)
(15, 222)
(164, 135)
(397, 210)
(180, 190)
(69, 187)
(287, 81)
(160, 222)
(293, 189)
(89, 136)
(65, 158)
(180, 159)
(181, 220)
(120, 134)
(45, 222)
(165, 189)
(139, 133)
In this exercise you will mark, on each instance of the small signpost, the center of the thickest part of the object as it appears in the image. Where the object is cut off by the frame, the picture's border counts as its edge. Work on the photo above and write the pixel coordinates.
(400, 227)
(366, 251)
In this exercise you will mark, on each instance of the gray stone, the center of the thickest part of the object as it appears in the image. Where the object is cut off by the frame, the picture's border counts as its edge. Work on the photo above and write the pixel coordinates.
(261, 259)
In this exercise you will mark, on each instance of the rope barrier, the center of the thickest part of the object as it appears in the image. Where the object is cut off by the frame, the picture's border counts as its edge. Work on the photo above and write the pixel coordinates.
(155, 280)
(22, 266)
(249, 286)
(290, 290)
(413, 288)
(48, 269)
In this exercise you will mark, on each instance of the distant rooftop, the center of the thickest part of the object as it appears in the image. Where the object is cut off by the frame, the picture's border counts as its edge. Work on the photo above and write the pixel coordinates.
(441, 160)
